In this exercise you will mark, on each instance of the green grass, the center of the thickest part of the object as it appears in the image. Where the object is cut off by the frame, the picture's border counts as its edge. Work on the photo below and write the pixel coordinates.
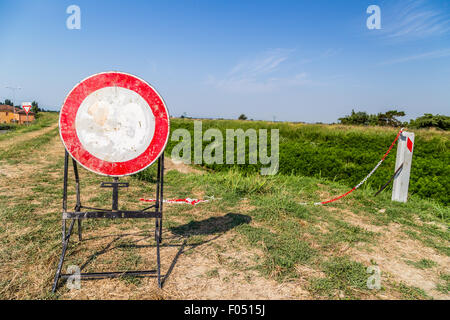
(344, 277)
(423, 263)
(282, 252)
(444, 285)
(411, 292)
(14, 153)
(213, 273)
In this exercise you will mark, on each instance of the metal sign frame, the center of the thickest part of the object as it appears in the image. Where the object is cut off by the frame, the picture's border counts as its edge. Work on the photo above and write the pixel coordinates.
(79, 214)
(120, 82)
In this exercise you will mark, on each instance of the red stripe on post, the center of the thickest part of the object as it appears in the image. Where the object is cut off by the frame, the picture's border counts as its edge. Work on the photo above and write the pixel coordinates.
(409, 144)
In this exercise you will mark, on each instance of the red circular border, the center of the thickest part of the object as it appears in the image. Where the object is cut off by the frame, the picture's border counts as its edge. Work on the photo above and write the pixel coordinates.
(113, 79)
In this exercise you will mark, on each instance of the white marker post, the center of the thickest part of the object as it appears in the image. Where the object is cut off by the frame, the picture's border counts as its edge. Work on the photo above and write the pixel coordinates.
(405, 149)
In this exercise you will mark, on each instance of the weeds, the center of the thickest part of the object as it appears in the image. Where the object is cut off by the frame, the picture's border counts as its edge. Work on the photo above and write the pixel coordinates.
(423, 264)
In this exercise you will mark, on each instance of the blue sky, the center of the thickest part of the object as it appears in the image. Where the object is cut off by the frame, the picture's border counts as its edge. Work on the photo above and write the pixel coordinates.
(311, 61)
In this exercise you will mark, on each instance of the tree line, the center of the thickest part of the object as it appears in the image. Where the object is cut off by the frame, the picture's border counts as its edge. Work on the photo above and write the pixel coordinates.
(389, 119)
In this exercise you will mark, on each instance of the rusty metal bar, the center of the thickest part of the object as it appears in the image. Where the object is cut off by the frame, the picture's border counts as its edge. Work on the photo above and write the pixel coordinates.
(65, 243)
(101, 275)
(66, 169)
(390, 179)
(111, 214)
(78, 192)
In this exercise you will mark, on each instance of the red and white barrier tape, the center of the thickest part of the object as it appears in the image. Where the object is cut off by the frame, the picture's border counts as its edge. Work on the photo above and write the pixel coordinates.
(367, 177)
(182, 201)
(196, 201)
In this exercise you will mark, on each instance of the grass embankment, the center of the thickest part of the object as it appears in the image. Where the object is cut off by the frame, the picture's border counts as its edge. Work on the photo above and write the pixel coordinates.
(45, 119)
(345, 153)
(256, 240)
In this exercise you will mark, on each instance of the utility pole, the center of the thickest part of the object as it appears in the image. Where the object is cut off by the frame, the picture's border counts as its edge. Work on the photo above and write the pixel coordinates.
(14, 98)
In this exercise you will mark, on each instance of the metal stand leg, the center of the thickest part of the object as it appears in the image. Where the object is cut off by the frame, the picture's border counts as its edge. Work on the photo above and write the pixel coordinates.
(78, 204)
(162, 196)
(65, 237)
(158, 262)
(79, 230)
(65, 243)
(115, 195)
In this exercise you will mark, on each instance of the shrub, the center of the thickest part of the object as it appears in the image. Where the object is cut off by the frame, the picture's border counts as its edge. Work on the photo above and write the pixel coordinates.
(431, 121)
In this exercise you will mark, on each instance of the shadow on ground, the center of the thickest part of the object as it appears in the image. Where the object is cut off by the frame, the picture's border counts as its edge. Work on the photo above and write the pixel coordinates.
(211, 225)
(215, 226)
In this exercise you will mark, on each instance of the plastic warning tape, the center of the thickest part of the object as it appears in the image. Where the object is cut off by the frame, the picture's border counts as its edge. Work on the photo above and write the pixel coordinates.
(186, 200)
(367, 177)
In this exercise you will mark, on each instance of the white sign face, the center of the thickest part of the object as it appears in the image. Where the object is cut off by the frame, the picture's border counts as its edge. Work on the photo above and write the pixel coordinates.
(115, 124)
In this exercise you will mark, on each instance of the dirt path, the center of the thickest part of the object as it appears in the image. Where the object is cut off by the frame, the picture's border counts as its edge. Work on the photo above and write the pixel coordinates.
(26, 136)
(194, 271)
(170, 164)
(394, 253)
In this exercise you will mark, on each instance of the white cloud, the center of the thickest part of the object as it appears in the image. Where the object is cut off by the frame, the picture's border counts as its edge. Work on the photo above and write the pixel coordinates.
(265, 64)
(261, 74)
(414, 19)
(426, 55)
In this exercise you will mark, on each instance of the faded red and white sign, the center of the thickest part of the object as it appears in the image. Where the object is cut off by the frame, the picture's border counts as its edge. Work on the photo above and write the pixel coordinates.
(114, 124)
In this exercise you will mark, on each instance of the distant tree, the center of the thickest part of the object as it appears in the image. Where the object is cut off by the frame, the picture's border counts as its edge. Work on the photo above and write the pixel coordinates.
(357, 118)
(390, 118)
(381, 119)
(242, 117)
(35, 107)
(9, 102)
(429, 120)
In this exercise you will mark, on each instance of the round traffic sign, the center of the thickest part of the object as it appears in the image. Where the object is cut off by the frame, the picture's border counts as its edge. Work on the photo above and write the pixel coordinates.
(114, 124)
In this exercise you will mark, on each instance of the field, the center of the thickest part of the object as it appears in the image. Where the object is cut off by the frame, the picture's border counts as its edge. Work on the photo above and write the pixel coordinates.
(346, 154)
(256, 239)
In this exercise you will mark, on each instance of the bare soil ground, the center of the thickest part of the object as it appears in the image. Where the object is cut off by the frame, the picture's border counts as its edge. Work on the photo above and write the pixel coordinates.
(24, 137)
(394, 250)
